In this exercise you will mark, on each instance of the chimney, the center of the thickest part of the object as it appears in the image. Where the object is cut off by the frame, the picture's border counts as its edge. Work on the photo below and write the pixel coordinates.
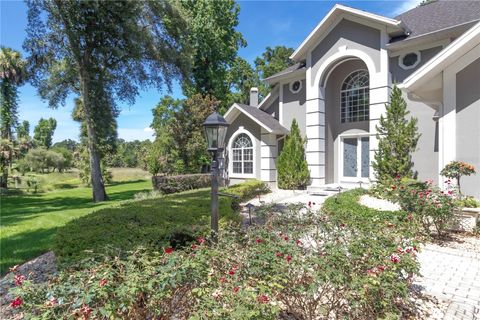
(254, 97)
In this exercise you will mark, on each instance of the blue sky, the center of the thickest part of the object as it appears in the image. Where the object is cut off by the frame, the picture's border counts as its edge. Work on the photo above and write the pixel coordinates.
(262, 23)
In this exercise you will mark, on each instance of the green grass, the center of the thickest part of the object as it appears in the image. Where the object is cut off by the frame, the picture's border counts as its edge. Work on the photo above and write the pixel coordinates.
(28, 222)
(148, 223)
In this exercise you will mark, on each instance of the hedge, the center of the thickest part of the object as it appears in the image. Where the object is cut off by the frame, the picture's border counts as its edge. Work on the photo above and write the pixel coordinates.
(179, 183)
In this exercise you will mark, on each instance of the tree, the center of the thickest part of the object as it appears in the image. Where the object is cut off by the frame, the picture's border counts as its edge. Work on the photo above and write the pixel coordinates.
(272, 61)
(68, 144)
(214, 43)
(292, 166)
(241, 77)
(12, 74)
(23, 130)
(43, 132)
(397, 140)
(102, 51)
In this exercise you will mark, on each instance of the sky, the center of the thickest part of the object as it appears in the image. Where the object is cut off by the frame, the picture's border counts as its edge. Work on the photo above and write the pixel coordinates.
(262, 23)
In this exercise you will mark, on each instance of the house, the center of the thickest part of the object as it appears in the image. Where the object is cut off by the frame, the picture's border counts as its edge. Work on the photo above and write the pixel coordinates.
(337, 89)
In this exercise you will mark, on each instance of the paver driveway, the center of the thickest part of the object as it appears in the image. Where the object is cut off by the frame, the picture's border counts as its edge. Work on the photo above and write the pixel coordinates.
(452, 275)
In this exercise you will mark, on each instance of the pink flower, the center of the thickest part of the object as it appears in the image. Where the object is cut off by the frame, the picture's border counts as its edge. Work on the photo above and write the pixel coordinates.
(397, 176)
(285, 238)
(86, 310)
(298, 242)
(222, 279)
(201, 240)
(394, 187)
(263, 298)
(168, 250)
(395, 258)
(231, 272)
(410, 217)
(259, 240)
(382, 268)
(102, 282)
(18, 279)
(372, 272)
(236, 289)
(194, 246)
(288, 258)
(278, 254)
(342, 225)
(17, 302)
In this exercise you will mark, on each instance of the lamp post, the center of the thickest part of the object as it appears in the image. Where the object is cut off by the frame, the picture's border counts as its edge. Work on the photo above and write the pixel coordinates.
(215, 130)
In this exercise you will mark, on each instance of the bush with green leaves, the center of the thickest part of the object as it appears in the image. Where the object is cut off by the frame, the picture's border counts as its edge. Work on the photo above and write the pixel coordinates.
(179, 183)
(292, 165)
(468, 202)
(301, 263)
(432, 206)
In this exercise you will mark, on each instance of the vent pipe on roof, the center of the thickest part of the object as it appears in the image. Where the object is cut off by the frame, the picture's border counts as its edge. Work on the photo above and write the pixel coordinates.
(254, 97)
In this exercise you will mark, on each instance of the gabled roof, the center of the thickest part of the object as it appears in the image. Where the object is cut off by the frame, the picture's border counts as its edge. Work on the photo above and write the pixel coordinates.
(439, 15)
(334, 13)
(297, 67)
(262, 118)
(443, 59)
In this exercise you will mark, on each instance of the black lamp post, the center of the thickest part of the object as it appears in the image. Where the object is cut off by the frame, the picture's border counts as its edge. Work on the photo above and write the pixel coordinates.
(215, 131)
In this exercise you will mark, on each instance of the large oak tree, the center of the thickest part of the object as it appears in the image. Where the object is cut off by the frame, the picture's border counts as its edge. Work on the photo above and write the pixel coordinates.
(102, 51)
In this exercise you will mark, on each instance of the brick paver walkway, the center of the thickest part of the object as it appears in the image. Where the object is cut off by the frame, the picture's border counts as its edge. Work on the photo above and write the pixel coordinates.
(452, 275)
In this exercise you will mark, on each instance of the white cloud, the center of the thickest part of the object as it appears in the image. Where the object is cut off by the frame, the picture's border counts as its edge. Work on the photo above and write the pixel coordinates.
(130, 134)
(147, 129)
(404, 6)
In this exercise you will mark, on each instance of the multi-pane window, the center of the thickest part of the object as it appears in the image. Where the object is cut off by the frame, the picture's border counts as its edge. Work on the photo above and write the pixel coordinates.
(242, 154)
(355, 97)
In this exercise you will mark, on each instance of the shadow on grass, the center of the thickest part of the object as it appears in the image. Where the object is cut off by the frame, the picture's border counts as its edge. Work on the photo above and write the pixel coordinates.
(32, 205)
(24, 246)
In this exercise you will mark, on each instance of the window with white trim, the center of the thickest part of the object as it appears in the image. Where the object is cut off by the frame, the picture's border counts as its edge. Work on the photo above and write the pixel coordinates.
(354, 97)
(242, 153)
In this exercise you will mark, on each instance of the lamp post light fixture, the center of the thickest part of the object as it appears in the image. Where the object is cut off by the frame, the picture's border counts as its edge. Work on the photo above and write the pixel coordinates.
(215, 130)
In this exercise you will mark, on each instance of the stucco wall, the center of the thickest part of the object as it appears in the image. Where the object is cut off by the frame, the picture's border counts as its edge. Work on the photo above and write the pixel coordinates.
(399, 74)
(468, 124)
(350, 34)
(425, 159)
(294, 108)
(333, 126)
(254, 129)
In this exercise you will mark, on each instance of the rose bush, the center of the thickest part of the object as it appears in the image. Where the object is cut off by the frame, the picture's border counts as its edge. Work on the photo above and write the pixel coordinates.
(347, 261)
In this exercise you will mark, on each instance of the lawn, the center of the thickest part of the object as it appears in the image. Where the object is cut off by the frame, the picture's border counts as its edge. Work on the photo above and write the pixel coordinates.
(28, 221)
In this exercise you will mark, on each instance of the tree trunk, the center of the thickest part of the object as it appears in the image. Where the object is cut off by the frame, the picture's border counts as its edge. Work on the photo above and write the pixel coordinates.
(98, 187)
(4, 178)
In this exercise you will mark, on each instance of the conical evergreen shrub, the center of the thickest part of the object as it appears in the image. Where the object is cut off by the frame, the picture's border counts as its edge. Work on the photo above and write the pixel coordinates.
(397, 139)
(292, 166)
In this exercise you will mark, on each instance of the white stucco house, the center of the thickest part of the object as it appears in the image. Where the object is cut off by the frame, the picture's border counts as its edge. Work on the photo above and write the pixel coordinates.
(337, 89)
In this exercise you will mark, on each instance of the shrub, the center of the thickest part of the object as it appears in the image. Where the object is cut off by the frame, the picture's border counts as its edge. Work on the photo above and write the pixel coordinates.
(292, 166)
(248, 190)
(397, 139)
(457, 169)
(304, 264)
(431, 205)
(468, 202)
(172, 184)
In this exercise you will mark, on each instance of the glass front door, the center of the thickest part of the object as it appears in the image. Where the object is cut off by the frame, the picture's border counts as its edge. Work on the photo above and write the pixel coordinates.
(356, 158)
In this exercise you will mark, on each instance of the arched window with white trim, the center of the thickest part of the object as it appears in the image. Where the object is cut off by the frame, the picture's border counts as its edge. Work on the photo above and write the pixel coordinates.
(242, 155)
(354, 97)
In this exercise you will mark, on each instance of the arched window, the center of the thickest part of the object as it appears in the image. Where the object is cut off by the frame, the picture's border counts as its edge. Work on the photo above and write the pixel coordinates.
(242, 152)
(355, 97)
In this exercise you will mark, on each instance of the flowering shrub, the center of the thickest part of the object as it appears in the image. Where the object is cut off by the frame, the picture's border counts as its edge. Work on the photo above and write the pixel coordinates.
(457, 169)
(305, 264)
(433, 206)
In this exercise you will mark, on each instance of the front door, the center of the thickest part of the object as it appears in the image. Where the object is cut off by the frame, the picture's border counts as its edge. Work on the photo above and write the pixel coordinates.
(355, 158)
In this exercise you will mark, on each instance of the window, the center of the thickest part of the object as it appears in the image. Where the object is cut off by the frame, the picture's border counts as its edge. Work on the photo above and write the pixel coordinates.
(355, 97)
(295, 86)
(242, 153)
(409, 60)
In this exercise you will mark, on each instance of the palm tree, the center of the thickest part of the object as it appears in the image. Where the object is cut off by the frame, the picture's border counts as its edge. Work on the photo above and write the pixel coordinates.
(12, 75)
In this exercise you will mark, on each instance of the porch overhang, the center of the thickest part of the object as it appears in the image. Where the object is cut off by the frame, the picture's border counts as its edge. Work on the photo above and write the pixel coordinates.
(263, 119)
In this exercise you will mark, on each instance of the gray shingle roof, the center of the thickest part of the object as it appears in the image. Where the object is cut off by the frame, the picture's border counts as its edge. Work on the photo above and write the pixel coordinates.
(292, 68)
(438, 15)
(265, 118)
